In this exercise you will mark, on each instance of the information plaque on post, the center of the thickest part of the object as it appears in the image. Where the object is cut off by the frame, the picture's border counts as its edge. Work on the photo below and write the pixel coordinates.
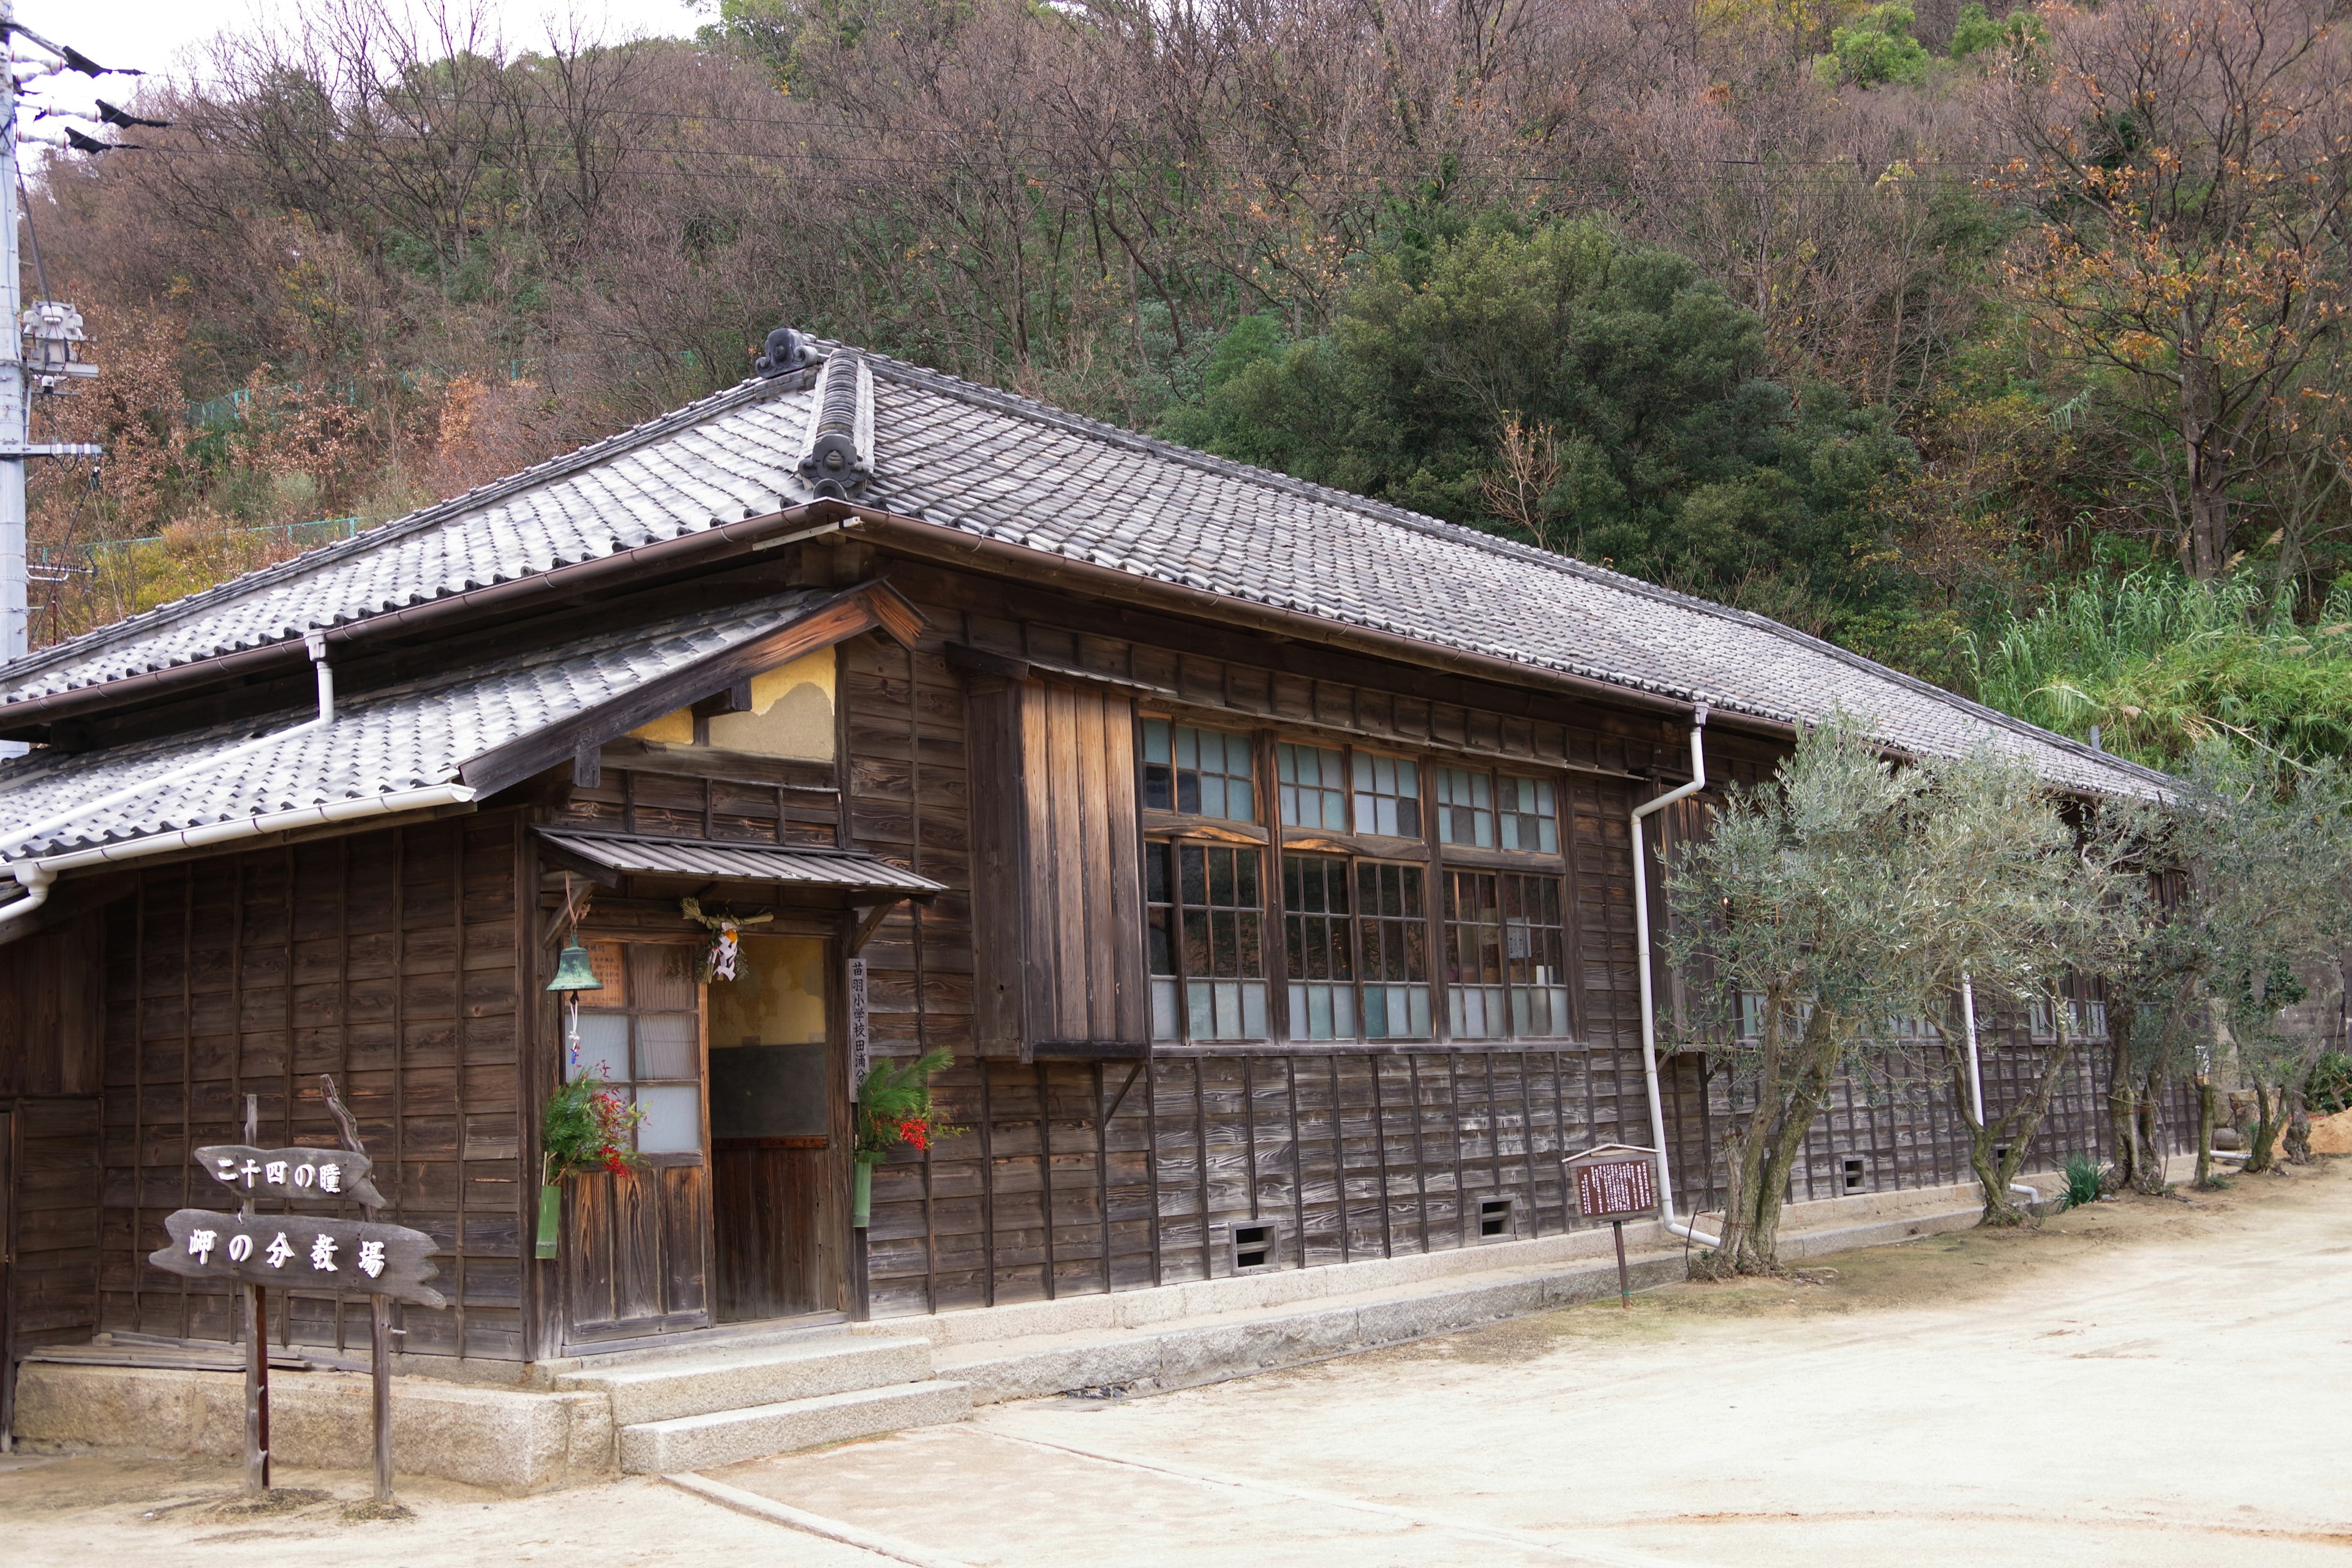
(1615, 1182)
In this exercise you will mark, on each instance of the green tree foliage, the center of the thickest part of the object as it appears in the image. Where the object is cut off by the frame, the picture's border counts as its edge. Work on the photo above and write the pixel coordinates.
(2265, 852)
(1974, 32)
(1845, 893)
(2164, 666)
(1876, 48)
(1569, 387)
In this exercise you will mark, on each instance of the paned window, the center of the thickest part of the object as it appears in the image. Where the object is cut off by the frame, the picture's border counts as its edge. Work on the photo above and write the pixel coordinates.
(1357, 936)
(1394, 922)
(1529, 818)
(1535, 943)
(1313, 789)
(1387, 795)
(1201, 772)
(1208, 956)
(1465, 808)
(1320, 945)
(649, 1049)
(1505, 947)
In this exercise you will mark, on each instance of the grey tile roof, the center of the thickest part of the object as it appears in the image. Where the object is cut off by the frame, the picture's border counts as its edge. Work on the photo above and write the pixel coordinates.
(991, 464)
(399, 738)
(637, 853)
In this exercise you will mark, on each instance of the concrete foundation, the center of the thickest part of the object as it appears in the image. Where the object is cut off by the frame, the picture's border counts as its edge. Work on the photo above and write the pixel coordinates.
(506, 1439)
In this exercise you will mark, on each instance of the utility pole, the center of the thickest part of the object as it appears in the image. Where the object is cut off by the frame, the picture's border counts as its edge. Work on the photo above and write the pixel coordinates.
(16, 600)
(55, 331)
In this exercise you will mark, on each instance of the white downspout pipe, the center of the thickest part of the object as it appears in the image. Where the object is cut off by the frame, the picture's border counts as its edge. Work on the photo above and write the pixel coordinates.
(16, 837)
(1641, 967)
(36, 875)
(1976, 1070)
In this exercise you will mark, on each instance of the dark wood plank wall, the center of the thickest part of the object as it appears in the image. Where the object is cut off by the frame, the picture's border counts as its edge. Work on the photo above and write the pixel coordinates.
(53, 1281)
(55, 1005)
(389, 960)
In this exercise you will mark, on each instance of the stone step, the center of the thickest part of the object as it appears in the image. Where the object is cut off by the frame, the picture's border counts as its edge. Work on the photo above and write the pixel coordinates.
(730, 1437)
(701, 1382)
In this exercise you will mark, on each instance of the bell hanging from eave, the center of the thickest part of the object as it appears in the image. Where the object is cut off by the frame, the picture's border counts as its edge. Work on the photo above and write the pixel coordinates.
(574, 971)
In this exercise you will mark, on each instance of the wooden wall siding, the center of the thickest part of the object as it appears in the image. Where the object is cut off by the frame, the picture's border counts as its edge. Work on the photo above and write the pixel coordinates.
(53, 1282)
(1082, 923)
(52, 1015)
(1352, 1155)
(387, 959)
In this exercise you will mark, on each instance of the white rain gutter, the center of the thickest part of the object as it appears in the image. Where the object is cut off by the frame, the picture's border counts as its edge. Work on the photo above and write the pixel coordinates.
(1976, 1070)
(1642, 951)
(36, 876)
(317, 643)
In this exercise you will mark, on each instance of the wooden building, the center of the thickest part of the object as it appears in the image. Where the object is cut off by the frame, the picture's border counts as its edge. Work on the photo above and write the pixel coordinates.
(1262, 855)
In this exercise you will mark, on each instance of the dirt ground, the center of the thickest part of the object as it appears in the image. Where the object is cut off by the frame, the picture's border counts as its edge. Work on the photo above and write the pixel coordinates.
(2156, 1382)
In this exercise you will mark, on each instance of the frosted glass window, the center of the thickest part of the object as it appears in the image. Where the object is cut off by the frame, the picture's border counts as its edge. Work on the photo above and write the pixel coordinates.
(667, 1045)
(673, 1123)
(604, 1048)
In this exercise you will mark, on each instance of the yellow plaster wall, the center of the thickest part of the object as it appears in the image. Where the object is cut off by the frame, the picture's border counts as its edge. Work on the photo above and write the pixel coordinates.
(790, 716)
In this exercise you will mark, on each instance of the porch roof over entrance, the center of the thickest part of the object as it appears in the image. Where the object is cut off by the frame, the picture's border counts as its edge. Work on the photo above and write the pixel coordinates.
(799, 866)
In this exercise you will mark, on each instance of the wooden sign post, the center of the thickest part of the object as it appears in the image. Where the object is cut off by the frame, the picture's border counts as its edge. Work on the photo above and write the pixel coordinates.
(256, 1348)
(330, 1257)
(1616, 1182)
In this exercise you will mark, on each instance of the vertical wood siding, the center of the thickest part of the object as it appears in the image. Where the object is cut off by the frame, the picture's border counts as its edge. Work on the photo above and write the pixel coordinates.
(389, 959)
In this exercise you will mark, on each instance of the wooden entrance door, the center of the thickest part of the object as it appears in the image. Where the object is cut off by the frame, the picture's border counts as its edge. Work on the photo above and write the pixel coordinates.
(637, 1243)
(775, 1076)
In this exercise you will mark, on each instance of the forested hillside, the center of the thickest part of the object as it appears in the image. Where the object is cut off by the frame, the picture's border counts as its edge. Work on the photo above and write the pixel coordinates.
(2008, 349)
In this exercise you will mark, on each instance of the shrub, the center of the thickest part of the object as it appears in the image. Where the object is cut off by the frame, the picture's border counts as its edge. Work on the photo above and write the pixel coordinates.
(2085, 1180)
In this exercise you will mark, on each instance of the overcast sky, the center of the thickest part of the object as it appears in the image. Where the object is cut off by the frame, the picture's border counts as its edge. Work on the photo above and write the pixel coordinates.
(150, 34)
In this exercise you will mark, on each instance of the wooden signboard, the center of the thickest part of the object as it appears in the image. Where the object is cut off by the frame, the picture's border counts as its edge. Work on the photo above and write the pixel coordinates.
(1613, 1189)
(860, 1027)
(297, 1173)
(1615, 1182)
(296, 1252)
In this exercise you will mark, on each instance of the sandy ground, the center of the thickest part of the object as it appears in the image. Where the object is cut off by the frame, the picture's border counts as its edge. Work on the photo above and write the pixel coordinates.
(2149, 1382)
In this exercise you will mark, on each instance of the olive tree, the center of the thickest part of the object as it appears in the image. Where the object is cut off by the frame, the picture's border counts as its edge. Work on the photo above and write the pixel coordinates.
(2264, 849)
(1795, 916)
(2019, 896)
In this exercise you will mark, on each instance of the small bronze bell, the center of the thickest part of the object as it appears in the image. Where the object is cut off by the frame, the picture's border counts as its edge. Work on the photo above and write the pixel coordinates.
(573, 972)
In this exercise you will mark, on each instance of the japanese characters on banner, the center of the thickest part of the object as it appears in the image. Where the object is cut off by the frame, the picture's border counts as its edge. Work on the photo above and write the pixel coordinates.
(860, 1036)
(335, 1175)
(296, 1252)
(1606, 1189)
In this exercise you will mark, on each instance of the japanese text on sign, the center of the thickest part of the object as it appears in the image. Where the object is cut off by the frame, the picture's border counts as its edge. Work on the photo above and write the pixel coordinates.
(1611, 1187)
(334, 1174)
(860, 1027)
(343, 1257)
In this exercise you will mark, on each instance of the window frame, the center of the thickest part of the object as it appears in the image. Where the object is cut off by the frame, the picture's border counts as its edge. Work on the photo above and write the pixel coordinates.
(1424, 851)
(634, 950)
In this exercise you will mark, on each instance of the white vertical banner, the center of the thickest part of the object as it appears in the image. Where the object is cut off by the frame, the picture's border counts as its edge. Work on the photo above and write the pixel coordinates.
(859, 1039)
